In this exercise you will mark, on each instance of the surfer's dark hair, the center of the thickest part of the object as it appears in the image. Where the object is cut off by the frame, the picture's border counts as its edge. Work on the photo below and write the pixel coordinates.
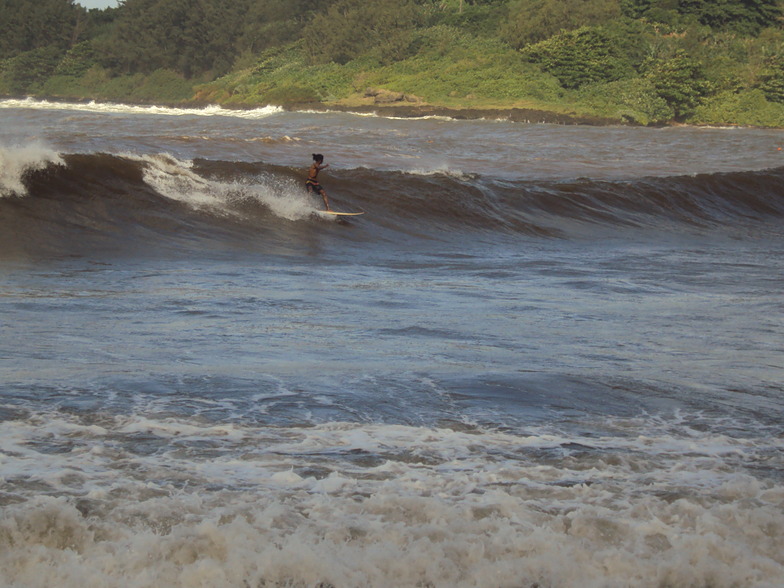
(318, 157)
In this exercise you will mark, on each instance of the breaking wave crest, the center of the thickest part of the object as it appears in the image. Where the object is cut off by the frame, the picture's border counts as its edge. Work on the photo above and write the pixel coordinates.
(116, 108)
(16, 164)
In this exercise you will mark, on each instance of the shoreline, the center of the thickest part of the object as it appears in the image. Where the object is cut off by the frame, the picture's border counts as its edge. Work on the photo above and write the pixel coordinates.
(393, 110)
(396, 110)
(512, 114)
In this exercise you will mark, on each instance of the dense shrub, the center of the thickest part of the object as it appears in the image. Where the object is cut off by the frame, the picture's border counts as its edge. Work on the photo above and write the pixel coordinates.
(584, 56)
(748, 107)
(77, 60)
(771, 79)
(24, 72)
(680, 81)
(633, 100)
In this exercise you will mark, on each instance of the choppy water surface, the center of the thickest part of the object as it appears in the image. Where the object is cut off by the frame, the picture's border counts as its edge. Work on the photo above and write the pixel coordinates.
(546, 355)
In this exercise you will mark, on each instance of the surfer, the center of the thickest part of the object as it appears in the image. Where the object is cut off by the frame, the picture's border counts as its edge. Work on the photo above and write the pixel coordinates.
(312, 182)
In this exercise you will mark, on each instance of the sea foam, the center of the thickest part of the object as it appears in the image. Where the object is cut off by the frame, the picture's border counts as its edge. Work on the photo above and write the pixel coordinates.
(16, 162)
(246, 505)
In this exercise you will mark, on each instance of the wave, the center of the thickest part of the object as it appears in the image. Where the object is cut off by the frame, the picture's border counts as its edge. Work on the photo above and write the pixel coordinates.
(74, 202)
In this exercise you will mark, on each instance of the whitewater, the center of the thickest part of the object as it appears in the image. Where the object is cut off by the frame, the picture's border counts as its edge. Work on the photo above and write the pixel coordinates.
(545, 356)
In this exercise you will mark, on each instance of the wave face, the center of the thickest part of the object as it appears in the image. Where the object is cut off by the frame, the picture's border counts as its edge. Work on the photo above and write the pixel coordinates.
(73, 203)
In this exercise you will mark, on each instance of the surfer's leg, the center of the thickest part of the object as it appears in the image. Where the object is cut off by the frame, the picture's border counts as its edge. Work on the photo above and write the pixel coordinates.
(324, 196)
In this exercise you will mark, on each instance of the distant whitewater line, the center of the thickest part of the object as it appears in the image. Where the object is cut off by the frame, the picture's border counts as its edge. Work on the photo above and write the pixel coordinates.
(212, 110)
(392, 113)
(110, 107)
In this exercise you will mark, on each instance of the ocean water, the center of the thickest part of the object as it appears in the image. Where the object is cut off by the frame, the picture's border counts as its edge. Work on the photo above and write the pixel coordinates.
(545, 356)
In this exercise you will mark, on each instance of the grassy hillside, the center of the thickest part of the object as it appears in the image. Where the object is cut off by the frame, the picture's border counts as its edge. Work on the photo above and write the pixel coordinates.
(450, 68)
(716, 62)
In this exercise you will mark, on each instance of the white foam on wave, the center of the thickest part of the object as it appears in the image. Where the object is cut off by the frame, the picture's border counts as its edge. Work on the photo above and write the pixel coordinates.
(286, 199)
(440, 117)
(114, 108)
(349, 504)
(15, 162)
(176, 180)
(443, 169)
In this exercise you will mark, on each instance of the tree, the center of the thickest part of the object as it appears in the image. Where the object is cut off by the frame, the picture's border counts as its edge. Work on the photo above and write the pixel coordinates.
(659, 11)
(273, 23)
(481, 18)
(771, 79)
(680, 81)
(350, 28)
(33, 24)
(192, 37)
(747, 17)
(77, 61)
(635, 8)
(584, 56)
(30, 68)
(531, 21)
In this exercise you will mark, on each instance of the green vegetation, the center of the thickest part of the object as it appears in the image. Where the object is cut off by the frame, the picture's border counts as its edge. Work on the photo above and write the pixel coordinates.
(641, 61)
